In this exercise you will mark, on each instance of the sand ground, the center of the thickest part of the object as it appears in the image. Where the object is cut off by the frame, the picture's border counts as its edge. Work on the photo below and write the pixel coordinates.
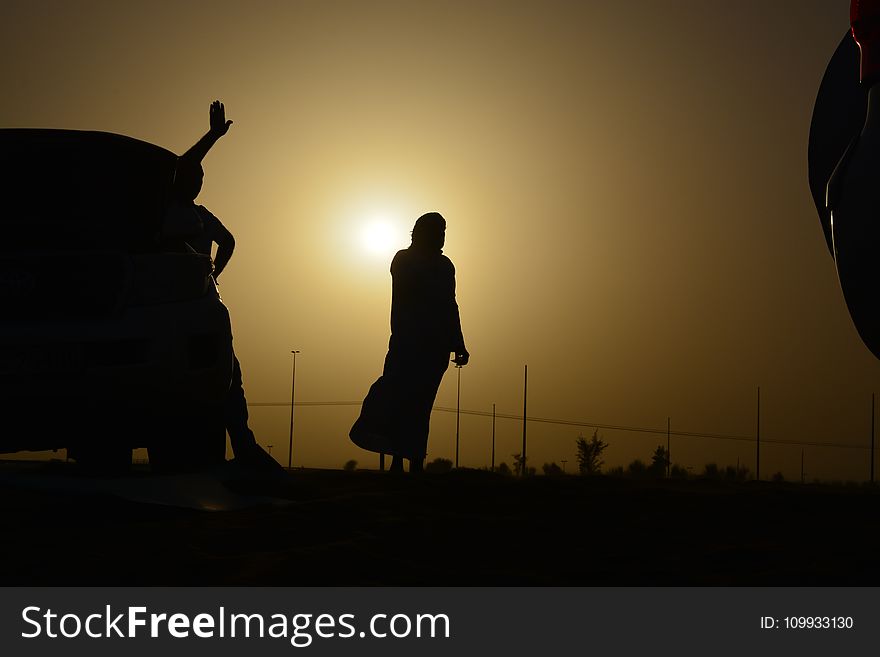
(322, 527)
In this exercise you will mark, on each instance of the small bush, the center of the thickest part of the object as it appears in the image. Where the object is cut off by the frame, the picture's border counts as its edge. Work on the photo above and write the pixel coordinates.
(711, 471)
(659, 461)
(637, 469)
(439, 465)
(678, 472)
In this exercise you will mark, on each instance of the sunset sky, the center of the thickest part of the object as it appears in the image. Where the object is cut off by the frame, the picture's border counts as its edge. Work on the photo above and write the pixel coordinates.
(625, 186)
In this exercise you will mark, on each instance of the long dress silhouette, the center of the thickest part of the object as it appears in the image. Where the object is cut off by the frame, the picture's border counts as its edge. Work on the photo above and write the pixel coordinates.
(425, 328)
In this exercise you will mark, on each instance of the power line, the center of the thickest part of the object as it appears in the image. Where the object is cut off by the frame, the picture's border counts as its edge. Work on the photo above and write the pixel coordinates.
(590, 425)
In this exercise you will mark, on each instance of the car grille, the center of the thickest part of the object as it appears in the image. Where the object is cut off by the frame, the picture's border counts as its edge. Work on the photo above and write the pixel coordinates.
(70, 358)
(60, 286)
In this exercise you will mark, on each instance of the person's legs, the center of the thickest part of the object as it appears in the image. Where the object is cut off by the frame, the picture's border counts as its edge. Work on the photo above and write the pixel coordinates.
(244, 443)
(241, 437)
(425, 387)
(424, 377)
(414, 377)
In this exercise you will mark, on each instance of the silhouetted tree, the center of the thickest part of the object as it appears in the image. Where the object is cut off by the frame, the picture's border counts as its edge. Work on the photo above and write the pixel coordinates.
(350, 466)
(616, 471)
(778, 478)
(589, 454)
(551, 469)
(439, 465)
(734, 473)
(711, 471)
(678, 472)
(637, 469)
(503, 468)
(659, 462)
(518, 463)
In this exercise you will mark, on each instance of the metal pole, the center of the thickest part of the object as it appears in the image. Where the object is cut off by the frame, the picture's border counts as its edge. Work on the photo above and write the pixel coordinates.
(668, 452)
(292, 386)
(457, 414)
(758, 440)
(525, 400)
(493, 437)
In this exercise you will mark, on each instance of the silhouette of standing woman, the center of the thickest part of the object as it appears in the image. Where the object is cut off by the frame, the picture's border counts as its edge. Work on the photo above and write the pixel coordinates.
(191, 226)
(425, 329)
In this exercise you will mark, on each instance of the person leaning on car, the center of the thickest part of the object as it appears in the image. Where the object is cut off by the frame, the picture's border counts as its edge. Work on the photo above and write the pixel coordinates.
(189, 226)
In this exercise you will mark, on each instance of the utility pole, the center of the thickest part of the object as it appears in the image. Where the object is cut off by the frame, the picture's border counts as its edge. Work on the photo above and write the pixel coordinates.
(493, 437)
(802, 465)
(292, 387)
(525, 400)
(758, 440)
(668, 452)
(563, 461)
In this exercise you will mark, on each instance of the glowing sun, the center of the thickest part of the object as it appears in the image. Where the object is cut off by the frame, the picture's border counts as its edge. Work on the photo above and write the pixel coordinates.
(379, 238)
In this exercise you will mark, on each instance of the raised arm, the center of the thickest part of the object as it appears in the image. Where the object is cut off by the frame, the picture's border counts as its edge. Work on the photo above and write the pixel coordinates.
(219, 126)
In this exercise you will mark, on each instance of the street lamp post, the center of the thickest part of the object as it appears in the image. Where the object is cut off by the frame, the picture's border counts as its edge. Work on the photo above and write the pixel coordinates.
(457, 413)
(525, 399)
(292, 388)
(493, 437)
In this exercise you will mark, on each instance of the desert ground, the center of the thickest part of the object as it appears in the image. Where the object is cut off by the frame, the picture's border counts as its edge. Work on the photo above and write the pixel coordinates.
(62, 526)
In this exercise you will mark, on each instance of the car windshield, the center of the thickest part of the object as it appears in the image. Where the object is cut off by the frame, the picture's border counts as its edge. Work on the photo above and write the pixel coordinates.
(76, 190)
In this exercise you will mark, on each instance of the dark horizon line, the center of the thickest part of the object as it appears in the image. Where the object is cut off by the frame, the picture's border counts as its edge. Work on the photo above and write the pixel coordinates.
(590, 425)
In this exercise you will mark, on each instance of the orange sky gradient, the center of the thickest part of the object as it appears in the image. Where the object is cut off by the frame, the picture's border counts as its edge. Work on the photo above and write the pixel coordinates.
(625, 188)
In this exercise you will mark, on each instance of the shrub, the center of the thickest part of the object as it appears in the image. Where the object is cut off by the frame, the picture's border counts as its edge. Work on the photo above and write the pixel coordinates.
(659, 462)
(637, 469)
(439, 465)
(711, 471)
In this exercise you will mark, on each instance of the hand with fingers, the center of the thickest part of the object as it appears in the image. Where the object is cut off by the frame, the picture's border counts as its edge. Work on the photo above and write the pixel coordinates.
(219, 124)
